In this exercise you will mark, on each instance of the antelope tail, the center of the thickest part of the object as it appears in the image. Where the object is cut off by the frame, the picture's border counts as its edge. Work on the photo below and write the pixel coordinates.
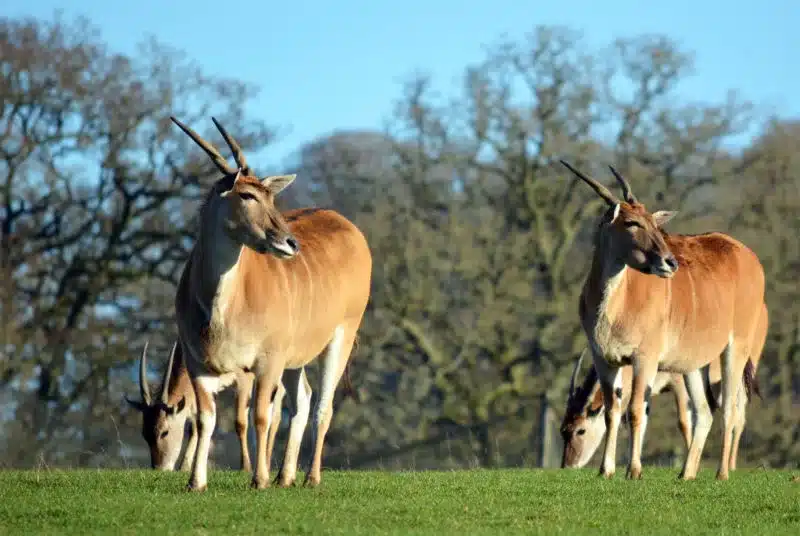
(751, 380)
(348, 385)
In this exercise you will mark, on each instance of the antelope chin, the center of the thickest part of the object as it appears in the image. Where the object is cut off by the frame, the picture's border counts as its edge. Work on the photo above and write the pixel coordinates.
(663, 274)
(283, 249)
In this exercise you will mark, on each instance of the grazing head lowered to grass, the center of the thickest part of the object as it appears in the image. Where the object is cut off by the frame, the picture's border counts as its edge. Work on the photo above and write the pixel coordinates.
(164, 418)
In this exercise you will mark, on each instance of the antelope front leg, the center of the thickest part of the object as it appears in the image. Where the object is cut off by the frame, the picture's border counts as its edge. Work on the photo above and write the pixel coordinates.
(275, 422)
(205, 388)
(299, 391)
(682, 407)
(611, 383)
(644, 374)
(191, 447)
(244, 390)
(266, 389)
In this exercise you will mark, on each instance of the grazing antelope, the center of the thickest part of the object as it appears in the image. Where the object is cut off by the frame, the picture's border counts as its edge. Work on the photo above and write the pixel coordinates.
(583, 425)
(671, 303)
(164, 419)
(268, 292)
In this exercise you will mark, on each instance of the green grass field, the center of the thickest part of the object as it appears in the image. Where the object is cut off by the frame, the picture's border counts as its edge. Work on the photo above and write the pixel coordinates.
(466, 502)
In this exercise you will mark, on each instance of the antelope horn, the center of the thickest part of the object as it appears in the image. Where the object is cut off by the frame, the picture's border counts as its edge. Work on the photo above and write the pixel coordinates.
(144, 387)
(238, 155)
(210, 150)
(575, 374)
(168, 374)
(627, 193)
(601, 190)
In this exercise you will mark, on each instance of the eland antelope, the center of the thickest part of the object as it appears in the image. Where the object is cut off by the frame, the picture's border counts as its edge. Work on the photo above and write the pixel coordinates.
(583, 426)
(268, 292)
(671, 303)
(164, 417)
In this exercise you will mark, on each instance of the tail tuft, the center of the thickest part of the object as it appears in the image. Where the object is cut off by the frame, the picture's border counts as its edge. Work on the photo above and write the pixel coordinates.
(349, 390)
(751, 381)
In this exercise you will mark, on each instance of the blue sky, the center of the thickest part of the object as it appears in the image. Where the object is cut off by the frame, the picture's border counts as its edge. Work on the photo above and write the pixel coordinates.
(327, 65)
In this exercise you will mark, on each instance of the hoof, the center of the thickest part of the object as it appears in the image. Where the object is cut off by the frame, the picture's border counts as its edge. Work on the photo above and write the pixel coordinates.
(722, 476)
(634, 474)
(196, 489)
(258, 483)
(608, 475)
(284, 482)
(311, 482)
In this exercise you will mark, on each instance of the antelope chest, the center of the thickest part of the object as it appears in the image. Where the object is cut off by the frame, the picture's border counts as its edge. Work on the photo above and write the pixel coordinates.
(226, 353)
(610, 342)
(235, 335)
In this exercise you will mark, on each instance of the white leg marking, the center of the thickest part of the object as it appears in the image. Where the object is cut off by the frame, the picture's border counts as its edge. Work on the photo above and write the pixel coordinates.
(322, 414)
(730, 386)
(299, 392)
(702, 419)
(328, 383)
(611, 384)
(206, 422)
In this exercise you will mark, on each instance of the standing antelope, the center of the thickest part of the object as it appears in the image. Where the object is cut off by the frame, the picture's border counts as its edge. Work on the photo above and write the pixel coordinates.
(268, 292)
(164, 419)
(583, 425)
(638, 308)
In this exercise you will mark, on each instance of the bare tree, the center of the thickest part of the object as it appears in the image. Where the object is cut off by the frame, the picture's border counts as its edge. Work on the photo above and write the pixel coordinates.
(96, 188)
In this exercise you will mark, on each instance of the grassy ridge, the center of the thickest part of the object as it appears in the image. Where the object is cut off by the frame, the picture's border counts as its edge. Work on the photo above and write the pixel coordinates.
(467, 502)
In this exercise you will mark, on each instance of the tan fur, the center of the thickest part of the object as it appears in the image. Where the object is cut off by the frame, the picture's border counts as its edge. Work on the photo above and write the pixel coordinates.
(664, 302)
(265, 291)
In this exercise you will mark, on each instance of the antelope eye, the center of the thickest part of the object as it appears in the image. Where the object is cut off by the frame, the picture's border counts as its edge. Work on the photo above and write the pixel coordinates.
(164, 434)
(246, 196)
(581, 431)
(630, 224)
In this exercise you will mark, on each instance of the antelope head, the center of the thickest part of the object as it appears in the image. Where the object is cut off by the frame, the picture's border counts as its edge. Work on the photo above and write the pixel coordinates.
(243, 204)
(584, 424)
(162, 423)
(628, 233)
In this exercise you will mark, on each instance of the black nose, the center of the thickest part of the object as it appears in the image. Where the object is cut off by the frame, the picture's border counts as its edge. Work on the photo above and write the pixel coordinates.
(292, 243)
(672, 262)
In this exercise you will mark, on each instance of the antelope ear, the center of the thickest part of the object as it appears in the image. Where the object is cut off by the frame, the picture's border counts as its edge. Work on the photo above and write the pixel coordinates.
(611, 214)
(227, 192)
(276, 183)
(177, 408)
(135, 404)
(661, 217)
